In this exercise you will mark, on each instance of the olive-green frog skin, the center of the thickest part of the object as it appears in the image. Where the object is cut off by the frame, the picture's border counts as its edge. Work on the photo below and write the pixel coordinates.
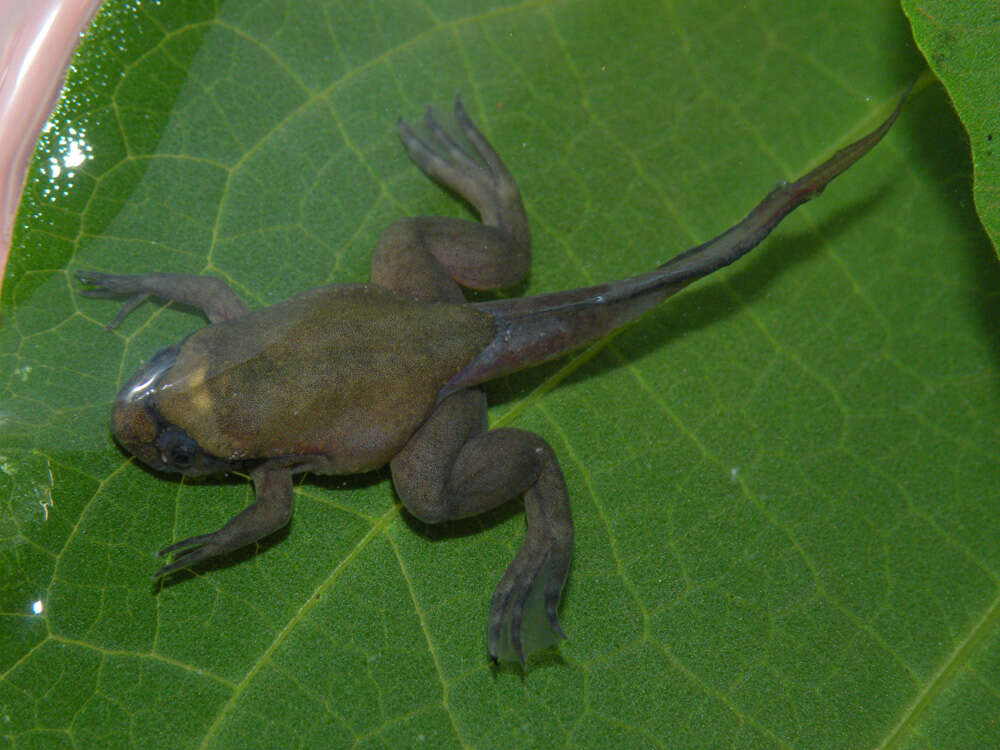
(347, 379)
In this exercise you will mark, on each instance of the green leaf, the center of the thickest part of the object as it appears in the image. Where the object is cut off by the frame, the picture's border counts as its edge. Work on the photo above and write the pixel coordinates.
(961, 41)
(784, 481)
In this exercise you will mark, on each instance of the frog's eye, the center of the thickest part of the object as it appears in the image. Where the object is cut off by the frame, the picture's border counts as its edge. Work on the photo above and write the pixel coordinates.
(177, 449)
(180, 456)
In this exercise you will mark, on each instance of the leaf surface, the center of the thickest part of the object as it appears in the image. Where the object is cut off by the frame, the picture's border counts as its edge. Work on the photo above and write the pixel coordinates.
(784, 481)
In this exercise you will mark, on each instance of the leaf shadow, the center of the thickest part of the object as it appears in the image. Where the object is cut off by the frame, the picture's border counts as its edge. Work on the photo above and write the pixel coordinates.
(955, 193)
(346, 482)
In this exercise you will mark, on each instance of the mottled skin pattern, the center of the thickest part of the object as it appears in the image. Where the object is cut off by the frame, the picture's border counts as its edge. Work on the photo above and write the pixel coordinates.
(346, 379)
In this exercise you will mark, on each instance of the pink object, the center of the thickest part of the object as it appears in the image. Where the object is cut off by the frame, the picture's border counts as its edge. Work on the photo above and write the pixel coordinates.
(37, 39)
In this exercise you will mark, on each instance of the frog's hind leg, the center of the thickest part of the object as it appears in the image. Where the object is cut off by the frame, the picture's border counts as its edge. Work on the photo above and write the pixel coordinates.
(423, 255)
(480, 177)
(454, 468)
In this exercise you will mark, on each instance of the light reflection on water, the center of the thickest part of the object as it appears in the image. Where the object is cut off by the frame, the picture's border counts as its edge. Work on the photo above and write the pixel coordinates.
(71, 151)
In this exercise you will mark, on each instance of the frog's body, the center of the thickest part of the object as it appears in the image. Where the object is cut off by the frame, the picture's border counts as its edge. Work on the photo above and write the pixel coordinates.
(346, 379)
(238, 384)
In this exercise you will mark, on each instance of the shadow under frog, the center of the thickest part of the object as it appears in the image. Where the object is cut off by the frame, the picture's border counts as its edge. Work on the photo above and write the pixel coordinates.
(349, 378)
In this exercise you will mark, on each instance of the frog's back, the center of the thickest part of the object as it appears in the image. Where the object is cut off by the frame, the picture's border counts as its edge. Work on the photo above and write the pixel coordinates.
(343, 372)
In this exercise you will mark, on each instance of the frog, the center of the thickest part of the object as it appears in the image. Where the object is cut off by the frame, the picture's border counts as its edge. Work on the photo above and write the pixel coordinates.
(351, 378)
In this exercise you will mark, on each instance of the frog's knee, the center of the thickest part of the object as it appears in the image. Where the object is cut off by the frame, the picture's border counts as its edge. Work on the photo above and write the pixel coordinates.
(427, 507)
(419, 485)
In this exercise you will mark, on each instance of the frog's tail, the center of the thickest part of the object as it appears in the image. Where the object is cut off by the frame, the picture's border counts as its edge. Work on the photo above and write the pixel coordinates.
(532, 330)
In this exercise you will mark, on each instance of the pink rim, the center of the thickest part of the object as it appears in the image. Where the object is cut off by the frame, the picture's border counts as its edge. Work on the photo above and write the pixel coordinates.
(37, 39)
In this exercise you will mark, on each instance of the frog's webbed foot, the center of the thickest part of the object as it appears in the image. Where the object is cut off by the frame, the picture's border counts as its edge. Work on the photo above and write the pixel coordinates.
(212, 296)
(523, 615)
(475, 171)
(270, 511)
(524, 610)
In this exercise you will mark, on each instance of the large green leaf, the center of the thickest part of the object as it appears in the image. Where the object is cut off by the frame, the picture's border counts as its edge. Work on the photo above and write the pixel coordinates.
(784, 481)
(961, 41)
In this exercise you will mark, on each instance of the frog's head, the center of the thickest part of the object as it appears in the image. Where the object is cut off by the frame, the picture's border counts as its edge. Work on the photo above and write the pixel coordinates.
(140, 428)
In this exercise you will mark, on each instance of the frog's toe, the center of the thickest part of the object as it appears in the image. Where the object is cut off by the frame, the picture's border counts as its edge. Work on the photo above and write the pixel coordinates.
(523, 612)
(484, 149)
(472, 169)
(102, 284)
(105, 285)
(444, 160)
(192, 550)
(112, 284)
(448, 147)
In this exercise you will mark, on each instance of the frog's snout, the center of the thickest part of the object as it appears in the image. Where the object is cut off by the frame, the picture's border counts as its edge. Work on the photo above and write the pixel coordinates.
(132, 421)
(134, 430)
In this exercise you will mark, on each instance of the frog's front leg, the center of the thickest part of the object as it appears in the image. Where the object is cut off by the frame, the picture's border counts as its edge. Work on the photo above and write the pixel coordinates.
(212, 296)
(454, 468)
(271, 510)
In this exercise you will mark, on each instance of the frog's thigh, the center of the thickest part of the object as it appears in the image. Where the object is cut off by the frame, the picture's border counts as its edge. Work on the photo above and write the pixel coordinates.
(454, 468)
(427, 255)
(403, 262)
(420, 471)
